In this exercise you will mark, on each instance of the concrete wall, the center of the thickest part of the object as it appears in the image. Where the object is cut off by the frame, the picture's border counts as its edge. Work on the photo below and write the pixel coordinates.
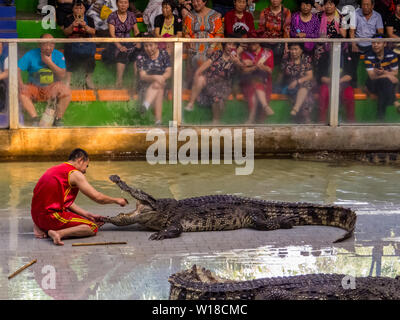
(130, 143)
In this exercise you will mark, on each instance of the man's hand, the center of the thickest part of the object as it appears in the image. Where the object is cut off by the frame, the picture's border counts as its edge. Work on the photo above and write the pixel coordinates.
(46, 59)
(95, 218)
(123, 49)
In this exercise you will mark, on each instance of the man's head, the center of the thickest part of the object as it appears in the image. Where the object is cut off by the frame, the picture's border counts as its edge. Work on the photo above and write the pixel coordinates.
(367, 6)
(47, 47)
(378, 47)
(80, 159)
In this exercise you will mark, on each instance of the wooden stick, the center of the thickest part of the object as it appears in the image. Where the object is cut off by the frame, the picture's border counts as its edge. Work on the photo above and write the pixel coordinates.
(96, 243)
(21, 269)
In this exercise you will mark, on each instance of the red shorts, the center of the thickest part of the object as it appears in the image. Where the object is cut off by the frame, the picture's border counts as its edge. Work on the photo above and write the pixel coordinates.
(62, 220)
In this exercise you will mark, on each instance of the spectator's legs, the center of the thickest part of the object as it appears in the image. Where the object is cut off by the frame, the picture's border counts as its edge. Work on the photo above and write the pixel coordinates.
(120, 74)
(217, 109)
(323, 102)
(300, 98)
(385, 90)
(63, 94)
(67, 79)
(28, 105)
(198, 84)
(262, 98)
(252, 108)
(158, 104)
(349, 104)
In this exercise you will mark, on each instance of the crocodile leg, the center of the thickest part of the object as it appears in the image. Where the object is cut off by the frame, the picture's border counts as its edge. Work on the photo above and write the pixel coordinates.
(172, 231)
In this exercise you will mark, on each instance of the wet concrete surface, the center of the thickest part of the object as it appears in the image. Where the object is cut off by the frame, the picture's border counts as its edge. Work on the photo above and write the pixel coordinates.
(140, 269)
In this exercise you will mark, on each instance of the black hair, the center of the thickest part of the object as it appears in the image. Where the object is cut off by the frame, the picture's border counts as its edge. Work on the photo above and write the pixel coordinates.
(335, 2)
(372, 1)
(169, 3)
(379, 36)
(78, 153)
(300, 44)
(307, 2)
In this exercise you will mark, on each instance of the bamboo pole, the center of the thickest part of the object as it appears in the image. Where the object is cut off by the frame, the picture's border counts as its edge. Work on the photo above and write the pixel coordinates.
(21, 269)
(96, 243)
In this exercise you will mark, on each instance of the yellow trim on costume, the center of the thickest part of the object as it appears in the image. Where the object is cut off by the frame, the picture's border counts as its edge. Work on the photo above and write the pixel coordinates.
(85, 221)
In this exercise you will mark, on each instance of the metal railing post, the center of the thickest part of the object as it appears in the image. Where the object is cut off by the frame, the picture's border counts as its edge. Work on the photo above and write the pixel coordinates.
(13, 85)
(177, 90)
(335, 85)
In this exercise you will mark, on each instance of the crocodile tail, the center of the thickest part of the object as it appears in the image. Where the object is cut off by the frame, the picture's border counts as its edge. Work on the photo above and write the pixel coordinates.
(325, 215)
(329, 215)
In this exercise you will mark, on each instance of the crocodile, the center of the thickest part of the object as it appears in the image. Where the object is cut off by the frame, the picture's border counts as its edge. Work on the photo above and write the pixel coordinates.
(171, 217)
(201, 284)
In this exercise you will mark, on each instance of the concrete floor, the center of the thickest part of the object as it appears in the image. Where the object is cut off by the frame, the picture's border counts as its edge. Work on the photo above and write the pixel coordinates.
(140, 269)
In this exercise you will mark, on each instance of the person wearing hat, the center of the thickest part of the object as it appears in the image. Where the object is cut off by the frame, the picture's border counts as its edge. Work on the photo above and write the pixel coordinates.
(382, 68)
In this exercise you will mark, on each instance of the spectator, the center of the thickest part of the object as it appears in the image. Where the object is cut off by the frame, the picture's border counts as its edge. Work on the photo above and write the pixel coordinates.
(120, 24)
(258, 63)
(305, 24)
(154, 68)
(385, 8)
(347, 83)
(275, 23)
(202, 22)
(78, 25)
(99, 12)
(46, 67)
(330, 27)
(298, 76)
(167, 24)
(393, 22)
(212, 83)
(64, 9)
(3, 76)
(184, 7)
(153, 9)
(368, 23)
(239, 20)
(133, 8)
(382, 68)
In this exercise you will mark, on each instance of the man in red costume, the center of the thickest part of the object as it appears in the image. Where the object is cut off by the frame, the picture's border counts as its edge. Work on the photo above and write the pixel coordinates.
(53, 209)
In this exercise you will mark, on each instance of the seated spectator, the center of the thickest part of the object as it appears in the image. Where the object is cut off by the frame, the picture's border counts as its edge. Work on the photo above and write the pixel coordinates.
(153, 9)
(382, 68)
(305, 24)
(120, 24)
(393, 22)
(167, 24)
(368, 23)
(99, 12)
(331, 27)
(275, 23)
(385, 8)
(255, 82)
(223, 6)
(347, 76)
(77, 55)
(3, 76)
(183, 7)
(212, 82)
(201, 23)
(154, 69)
(238, 20)
(46, 69)
(298, 77)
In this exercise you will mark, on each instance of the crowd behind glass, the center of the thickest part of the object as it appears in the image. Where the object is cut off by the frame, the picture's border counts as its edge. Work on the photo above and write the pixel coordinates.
(215, 71)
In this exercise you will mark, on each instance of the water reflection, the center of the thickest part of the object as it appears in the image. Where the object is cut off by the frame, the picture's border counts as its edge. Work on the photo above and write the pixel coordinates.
(140, 270)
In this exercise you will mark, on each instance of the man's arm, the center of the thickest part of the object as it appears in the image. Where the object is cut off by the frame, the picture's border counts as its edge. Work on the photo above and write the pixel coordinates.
(60, 72)
(77, 179)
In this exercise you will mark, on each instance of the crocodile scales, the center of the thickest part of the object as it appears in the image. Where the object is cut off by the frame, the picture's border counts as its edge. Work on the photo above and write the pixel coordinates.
(201, 284)
(171, 217)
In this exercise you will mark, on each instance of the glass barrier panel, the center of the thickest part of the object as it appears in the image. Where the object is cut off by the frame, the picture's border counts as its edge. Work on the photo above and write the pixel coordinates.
(4, 109)
(371, 95)
(249, 83)
(100, 84)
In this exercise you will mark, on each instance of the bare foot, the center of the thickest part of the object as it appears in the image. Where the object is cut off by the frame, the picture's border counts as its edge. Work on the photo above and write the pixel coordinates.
(56, 237)
(39, 233)
(189, 107)
(268, 110)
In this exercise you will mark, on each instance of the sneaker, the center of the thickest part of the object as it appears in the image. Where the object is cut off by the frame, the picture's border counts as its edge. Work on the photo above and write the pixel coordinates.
(58, 123)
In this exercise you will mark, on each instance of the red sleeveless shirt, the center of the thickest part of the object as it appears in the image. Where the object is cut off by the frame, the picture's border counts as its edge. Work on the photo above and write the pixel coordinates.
(53, 192)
